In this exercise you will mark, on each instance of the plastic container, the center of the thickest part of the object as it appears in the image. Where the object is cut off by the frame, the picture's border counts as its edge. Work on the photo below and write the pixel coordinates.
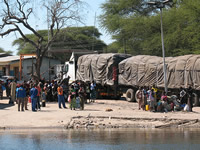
(147, 107)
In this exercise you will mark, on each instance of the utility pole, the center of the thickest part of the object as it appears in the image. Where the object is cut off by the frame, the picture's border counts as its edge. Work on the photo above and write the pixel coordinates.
(161, 5)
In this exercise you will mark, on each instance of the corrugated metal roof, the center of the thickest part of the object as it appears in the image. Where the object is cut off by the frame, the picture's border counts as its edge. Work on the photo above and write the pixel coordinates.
(13, 58)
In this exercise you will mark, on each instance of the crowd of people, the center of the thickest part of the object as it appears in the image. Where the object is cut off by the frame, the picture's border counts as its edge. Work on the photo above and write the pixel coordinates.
(156, 100)
(76, 94)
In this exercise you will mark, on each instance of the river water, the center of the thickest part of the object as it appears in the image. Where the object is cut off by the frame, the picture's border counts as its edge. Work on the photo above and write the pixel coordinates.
(107, 139)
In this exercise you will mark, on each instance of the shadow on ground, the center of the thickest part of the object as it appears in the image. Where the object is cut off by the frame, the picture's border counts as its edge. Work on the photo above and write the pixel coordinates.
(4, 106)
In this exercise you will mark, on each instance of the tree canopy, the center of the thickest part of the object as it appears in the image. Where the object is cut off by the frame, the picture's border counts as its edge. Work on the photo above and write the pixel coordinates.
(16, 16)
(85, 38)
(3, 51)
(137, 30)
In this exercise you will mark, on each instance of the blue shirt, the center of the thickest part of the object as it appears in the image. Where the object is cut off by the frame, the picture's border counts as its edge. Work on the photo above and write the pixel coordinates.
(20, 92)
(92, 86)
(33, 93)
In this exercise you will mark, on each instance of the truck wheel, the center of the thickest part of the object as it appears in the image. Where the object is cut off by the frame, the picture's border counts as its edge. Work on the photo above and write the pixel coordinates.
(195, 99)
(136, 96)
(130, 95)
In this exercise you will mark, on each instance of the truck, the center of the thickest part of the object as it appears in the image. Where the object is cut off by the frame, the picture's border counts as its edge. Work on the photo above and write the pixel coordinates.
(122, 74)
(68, 69)
(103, 69)
(144, 70)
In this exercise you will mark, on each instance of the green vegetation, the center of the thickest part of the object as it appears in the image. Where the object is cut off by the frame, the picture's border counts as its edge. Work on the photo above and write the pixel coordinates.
(135, 27)
(85, 38)
(3, 51)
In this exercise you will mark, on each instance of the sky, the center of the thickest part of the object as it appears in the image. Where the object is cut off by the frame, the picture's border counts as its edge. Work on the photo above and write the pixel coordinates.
(89, 20)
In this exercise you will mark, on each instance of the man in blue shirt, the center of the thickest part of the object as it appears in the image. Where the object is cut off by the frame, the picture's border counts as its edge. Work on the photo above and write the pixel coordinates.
(20, 95)
(33, 94)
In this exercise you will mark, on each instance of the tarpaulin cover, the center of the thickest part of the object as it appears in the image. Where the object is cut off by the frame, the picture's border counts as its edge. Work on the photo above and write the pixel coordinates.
(144, 70)
(98, 67)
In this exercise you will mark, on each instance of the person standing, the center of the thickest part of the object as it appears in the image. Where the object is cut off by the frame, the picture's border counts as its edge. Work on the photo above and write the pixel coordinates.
(82, 95)
(139, 97)
(20, 95)
(145, 95)
(190, 98)
(7, 88)
(33, 94)
(61, 99)
(93, 91)
(13, 86)
(38, 97)
(183, 96)
(72, 103)
(151, 99)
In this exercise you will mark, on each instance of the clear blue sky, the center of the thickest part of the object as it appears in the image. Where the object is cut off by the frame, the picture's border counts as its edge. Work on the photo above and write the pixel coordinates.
(94, 7)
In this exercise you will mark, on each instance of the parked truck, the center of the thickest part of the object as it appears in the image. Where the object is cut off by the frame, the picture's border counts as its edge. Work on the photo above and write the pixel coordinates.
(143, 70)
(117, 74)
(103, 69)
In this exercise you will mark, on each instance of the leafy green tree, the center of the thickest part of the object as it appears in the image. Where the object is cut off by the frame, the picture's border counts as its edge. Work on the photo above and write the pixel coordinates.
(140, 33)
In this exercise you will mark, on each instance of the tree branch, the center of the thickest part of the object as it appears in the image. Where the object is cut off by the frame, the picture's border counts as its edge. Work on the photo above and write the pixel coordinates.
(8, 31)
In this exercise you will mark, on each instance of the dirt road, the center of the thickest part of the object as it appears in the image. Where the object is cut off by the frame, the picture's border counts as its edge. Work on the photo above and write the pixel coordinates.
(101, 114)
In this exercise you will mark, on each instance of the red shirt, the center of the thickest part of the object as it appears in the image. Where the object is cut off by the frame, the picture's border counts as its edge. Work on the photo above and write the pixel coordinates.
(39, 90)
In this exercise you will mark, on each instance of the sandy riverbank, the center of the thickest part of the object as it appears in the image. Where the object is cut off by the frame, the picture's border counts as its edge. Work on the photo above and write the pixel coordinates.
(123, 115)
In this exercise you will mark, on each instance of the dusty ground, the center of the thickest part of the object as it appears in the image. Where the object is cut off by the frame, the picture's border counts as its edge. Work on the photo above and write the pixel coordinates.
(123, 114)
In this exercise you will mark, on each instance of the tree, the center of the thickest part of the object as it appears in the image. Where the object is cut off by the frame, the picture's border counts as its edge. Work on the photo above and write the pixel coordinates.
(85, 38)
(16, 16)
(140, 33)
(120, 17)
(3, 51)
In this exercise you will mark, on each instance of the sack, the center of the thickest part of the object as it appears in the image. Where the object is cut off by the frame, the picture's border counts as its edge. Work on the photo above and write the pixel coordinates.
(69, 99)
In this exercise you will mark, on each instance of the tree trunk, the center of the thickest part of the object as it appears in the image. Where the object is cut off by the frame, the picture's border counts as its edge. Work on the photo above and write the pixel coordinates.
(38, 63)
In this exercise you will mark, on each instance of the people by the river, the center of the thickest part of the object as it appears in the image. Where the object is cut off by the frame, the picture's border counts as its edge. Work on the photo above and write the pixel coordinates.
(61, 99)
(82, 95)
(190, 98)
(13, 86)
(139, 96)
(38, 97)
(93, 91)
(33, 95)
(20, 96)
(72, 102)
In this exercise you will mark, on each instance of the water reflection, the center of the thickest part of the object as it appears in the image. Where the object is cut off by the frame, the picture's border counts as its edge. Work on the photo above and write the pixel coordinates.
(111, 139)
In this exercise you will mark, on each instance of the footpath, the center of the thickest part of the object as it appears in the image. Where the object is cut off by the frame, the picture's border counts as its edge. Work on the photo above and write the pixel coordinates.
(101, 114)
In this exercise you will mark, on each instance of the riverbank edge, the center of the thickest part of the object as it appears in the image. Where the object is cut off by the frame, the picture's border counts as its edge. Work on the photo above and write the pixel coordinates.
(105, 122)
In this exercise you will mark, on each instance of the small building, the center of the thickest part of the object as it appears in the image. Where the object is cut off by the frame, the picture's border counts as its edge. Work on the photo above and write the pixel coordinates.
(10, 66)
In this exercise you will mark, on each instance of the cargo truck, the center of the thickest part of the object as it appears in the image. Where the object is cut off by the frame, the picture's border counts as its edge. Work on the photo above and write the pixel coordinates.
(118, 74)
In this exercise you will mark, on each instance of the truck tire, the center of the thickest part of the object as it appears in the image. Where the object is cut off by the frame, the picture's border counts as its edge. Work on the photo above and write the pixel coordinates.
(130, 97)
(136, 96)
(195, 99)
